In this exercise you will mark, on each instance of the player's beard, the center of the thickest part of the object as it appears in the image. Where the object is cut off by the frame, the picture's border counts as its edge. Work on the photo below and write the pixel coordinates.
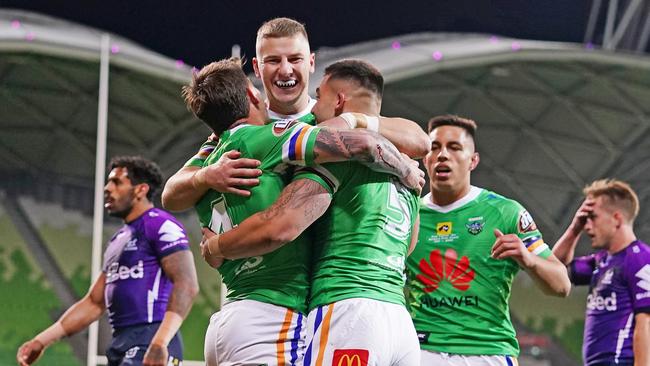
(122, 207)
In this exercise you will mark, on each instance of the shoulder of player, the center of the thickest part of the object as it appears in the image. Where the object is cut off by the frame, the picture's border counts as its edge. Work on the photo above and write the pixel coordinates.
(155, 218)
(637, 252)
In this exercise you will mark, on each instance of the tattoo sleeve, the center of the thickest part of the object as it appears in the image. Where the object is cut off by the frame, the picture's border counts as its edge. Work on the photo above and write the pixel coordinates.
(179, 267)
(366, 147)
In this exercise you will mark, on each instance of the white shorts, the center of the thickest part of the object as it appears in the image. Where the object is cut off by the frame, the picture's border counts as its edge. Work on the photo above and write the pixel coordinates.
(361, 332)
(430, 358)
(249, 332)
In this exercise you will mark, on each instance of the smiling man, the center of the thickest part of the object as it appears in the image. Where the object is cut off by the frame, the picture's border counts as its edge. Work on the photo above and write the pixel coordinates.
(617, 324)
(471, 244)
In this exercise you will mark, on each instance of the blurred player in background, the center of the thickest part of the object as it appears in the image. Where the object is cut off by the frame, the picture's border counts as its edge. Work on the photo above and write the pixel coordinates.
(617, 324)
(472, 243)
(148, 280)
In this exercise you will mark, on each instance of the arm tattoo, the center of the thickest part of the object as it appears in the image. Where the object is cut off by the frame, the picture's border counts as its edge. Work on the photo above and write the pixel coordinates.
(297, 195)
(180, 269)
(366, 147)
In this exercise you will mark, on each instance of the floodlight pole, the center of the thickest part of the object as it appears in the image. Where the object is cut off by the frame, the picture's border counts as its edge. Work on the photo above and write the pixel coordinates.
(100, 168)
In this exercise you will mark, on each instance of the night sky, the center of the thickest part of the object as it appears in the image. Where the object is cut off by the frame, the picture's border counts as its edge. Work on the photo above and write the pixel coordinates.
(198, 32)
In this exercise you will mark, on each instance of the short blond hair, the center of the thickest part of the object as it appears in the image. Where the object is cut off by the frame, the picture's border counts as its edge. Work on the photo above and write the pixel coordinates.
(279, 28)
(617, 194)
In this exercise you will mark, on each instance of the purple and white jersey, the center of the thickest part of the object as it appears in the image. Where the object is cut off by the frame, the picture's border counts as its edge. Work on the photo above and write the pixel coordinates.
(137, 289)
(619, 287)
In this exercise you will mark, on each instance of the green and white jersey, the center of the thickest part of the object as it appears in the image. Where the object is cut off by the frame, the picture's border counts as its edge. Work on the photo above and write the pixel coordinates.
(457, 293)
(208, 146)
(361, 242)
(281, 277)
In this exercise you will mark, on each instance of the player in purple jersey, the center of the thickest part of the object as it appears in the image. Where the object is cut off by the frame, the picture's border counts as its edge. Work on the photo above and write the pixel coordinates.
(617, 323)
(148, 280)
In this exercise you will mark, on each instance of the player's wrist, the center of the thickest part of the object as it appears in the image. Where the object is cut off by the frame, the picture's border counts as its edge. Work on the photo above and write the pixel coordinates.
(214, 250)
(350, 119)
(198, 179)
(51, 334)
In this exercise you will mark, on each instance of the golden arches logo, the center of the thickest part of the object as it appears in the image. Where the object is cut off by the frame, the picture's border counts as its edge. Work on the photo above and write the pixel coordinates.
(350, 357)
(347, 360)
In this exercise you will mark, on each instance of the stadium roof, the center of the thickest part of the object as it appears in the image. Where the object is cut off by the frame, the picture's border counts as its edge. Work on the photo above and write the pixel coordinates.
(49, 78)
(552, 116)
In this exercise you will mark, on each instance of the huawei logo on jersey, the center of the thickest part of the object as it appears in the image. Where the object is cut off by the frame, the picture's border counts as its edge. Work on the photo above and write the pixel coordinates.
(449, 268)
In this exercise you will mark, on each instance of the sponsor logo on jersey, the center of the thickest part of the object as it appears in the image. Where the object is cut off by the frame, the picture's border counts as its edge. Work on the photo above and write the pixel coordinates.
(131, 245)
(153, 214)
(279, 127)
(116, 272)
(526, 222)
(132, 352)
(449, 268)
(170, 232)
(475, 225)
(452, 301)
(443, 228)
(597, 302)
(350, 357)
(423, 336)
(644, 275)
(607, 277)
(250, 265)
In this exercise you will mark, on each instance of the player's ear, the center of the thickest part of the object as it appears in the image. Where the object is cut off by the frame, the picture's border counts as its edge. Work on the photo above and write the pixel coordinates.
(340, 103)
(256, 67)
(475, 160)
(141, 190)
(312, 63)
(251, 96)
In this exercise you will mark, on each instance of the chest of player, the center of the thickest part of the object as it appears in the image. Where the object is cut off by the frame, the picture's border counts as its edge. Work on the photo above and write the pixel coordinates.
(609, 290)
(128, 257)
(462, 239)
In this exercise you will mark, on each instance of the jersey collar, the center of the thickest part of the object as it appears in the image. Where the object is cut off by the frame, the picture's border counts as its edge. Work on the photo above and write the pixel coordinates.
(470, 196)
(306, 111)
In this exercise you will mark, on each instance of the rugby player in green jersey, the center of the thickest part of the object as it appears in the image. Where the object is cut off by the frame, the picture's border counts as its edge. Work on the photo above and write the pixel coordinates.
(262, 321)
(360, 245)
(471, 244)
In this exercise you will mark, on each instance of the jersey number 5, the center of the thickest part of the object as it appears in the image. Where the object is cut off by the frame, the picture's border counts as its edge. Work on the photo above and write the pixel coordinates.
(398, 223)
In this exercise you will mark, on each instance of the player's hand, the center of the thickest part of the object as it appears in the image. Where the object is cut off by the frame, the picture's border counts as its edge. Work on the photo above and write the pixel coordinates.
(511, 246)
(156, 355)
(415, 177)
(214, 261)
(585, 210)
(230, 173)
(29, 352)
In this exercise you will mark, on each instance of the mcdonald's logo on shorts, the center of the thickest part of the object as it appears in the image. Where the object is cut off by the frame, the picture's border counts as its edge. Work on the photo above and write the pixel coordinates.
(350, 357)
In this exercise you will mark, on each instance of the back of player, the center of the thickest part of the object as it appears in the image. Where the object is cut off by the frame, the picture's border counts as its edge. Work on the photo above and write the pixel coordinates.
(357, 311)
(457, 294)
(262, 320)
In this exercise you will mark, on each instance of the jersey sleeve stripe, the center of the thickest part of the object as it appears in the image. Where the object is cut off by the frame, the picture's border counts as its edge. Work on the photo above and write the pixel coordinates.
(296, 148)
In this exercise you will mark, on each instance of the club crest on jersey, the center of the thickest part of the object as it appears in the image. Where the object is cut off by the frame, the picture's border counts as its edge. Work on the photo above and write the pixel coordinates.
(443, 228)
(450, 268)
(350, 357)
(475, 225)
(526, 222)
(279, 127)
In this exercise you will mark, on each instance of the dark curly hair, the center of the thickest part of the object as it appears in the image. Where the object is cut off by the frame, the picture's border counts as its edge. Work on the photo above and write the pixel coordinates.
(140, 171)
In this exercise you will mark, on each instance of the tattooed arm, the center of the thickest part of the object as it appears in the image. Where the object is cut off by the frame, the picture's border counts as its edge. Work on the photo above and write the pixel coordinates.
(370, 149)
(299, 205)
(179, 267)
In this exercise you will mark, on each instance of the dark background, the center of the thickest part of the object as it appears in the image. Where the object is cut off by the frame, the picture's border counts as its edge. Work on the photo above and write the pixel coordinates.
(198, 32)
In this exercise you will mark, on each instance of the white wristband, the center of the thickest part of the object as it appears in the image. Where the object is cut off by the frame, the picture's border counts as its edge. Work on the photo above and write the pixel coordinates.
(372, 123)
(51, 334)
(349, 119)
